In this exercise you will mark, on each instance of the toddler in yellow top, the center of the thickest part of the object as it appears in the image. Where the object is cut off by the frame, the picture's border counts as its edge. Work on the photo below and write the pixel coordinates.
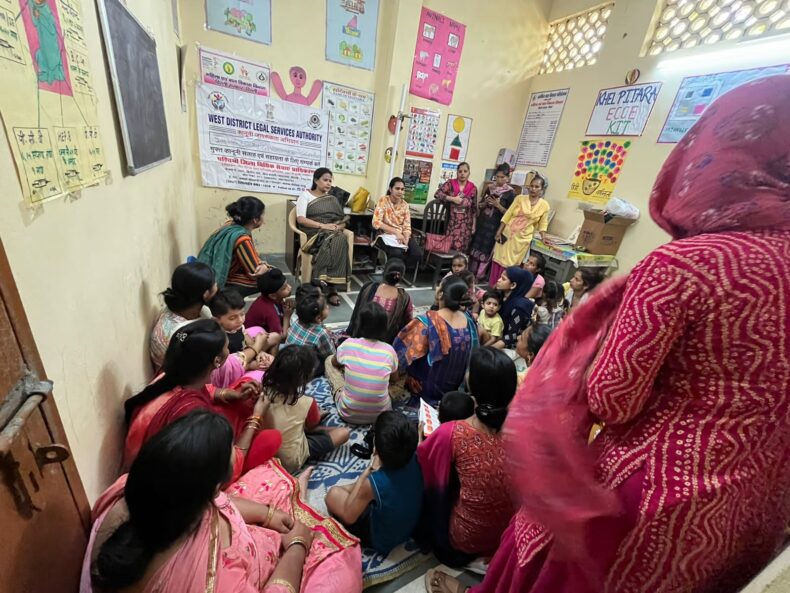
(490, 323)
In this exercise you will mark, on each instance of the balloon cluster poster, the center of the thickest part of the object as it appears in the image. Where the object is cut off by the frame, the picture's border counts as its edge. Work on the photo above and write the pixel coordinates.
(598, 166)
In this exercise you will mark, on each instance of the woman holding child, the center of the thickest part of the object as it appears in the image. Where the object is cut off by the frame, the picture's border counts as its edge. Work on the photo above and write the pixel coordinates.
(320, 215)
(168, 527)
(686, 487)
(231, 252)
(434, 348)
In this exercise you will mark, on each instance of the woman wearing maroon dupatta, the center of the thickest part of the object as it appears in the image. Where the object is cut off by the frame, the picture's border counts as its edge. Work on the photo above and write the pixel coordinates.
(686, 363)
(460, 195)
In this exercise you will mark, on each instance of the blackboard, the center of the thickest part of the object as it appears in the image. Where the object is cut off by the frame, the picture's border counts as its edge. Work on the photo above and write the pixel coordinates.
(134, 70)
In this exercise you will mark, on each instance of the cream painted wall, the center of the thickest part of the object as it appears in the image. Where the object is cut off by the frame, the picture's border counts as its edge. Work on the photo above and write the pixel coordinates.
(503, 45)
(89, 269)
(628, 25)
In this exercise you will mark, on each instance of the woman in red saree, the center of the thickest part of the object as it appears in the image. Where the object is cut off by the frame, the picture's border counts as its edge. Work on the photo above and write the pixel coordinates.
(167, 527)
(460, 195)
(195, 351)
(687, 364)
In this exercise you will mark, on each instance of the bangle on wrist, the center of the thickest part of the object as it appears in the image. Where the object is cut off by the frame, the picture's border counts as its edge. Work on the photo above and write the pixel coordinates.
(283, 583)
(298, 541)
(269, 515)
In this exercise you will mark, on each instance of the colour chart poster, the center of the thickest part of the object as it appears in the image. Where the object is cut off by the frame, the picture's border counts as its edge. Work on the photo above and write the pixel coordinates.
(440, 41)
(51, 118)
(248, 19)
(351, 32)
(696, 93)
(598, 167)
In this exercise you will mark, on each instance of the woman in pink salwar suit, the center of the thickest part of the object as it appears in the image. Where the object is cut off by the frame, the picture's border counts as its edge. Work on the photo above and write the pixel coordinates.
(686, 364)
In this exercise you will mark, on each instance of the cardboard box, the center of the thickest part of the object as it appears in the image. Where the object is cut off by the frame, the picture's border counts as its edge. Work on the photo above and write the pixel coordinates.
(600, 237)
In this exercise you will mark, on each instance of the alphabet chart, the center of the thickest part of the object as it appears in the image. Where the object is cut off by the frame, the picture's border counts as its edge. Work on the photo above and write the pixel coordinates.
(423, 133)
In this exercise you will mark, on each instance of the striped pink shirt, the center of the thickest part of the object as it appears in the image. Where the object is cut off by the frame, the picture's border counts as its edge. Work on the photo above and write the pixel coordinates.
(368, 365)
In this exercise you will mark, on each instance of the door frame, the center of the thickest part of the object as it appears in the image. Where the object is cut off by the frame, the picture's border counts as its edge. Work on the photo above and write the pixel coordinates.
(27, 345)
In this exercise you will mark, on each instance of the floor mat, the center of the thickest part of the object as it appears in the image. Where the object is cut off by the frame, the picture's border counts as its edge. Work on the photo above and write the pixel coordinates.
(342, 467)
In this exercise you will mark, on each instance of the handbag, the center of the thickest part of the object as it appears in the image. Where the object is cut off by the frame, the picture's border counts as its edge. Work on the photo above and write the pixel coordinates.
(437, 243)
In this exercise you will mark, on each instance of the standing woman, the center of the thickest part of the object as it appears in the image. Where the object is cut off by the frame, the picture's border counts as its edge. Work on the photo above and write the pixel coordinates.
(392, 216)
(320, 215)
(496, 200)
(461, 195)
(528, 215)
(231, 252)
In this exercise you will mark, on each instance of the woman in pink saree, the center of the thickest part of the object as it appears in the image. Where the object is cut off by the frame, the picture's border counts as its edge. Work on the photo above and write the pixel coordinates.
(686, 363)
(166, 527)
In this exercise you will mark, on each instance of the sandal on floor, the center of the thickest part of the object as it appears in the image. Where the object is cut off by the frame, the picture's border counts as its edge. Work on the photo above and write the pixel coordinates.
(437, 581)
(333, 299)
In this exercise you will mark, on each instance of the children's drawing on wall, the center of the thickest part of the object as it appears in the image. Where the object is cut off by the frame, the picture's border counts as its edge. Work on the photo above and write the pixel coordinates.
(248, 19)
(598, 166)
(298, 78)
(45, 40)
(351, 32)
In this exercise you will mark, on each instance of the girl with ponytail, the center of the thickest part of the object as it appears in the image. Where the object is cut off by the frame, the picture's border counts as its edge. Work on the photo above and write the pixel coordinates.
(467, 504)
(195, 350)
(395, 300)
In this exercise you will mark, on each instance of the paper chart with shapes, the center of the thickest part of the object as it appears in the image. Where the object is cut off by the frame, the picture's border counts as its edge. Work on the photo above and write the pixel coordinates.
(437, 57)
(598, 166)
(247, 19)
(232, 72)
(696, 93)
(350, 127)
(51, 117)
(351, 32)
(456, 139)
(423, 133)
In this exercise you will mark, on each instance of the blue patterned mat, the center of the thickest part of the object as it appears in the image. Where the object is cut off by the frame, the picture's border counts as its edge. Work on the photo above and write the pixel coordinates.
(342, 467)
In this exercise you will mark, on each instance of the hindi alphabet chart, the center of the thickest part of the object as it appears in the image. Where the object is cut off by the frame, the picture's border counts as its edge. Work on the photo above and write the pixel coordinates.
(423, 133)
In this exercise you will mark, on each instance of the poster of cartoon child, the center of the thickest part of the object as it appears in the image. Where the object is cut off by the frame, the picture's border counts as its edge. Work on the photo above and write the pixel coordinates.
(47, 48)
(248, 19)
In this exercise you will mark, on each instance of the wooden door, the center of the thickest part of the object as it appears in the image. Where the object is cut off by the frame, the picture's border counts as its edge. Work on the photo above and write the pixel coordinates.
(44, 514)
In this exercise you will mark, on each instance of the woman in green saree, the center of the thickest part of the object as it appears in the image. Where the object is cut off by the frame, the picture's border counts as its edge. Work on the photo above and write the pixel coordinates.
(321, 217)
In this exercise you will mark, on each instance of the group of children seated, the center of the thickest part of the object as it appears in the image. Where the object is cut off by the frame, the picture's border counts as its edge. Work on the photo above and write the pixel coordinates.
(283, 343)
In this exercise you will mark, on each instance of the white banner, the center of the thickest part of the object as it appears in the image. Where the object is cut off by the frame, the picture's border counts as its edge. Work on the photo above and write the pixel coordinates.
(623, 110)
(256, 143)
(232, 72)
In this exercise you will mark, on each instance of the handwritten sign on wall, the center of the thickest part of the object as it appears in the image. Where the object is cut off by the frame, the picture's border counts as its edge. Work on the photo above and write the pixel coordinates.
(624, 110)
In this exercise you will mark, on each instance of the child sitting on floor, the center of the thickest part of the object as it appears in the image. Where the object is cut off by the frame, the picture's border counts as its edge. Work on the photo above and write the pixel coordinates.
(294, 414)
(458, 264)
(490, 322)
(549, 308)
(383, 506)
(308, 329)
(536, 265)
(272, 310)
(578, 289)
(456, 405)
(256, 345)
(361, 370)
(529, 344)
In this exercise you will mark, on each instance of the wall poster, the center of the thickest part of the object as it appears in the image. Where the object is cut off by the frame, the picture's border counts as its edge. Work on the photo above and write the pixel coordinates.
(598, 166)
(51, 118)
(351, 32)
(697, 92)
(440, 41)
(449, 171)
(423, 133)
(540, 126)
(248, 19)
(456, 139)
(624, 110)
(350, 126)
(253, 143)
(232, 72)
(417, 179)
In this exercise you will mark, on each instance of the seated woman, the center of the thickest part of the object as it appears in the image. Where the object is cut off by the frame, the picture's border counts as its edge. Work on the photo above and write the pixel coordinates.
(527, 216)
(460, 196)
(195, 351)
(392, 217)
(231, 252)
(434, 348)
(395, 301)
(192, 287)
(467, 503)
(516, 312)
(321, 216)
(166, 526)
(362, 368)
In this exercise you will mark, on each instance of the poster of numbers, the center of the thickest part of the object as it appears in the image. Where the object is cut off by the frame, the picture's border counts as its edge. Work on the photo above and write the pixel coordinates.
(423, 133)
(350, 126)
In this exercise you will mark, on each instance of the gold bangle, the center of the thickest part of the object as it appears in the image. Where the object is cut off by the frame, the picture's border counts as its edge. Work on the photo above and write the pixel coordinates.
(221, 395)
(242, 448)
(283, 583)
(298, 541)
(269, 515)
